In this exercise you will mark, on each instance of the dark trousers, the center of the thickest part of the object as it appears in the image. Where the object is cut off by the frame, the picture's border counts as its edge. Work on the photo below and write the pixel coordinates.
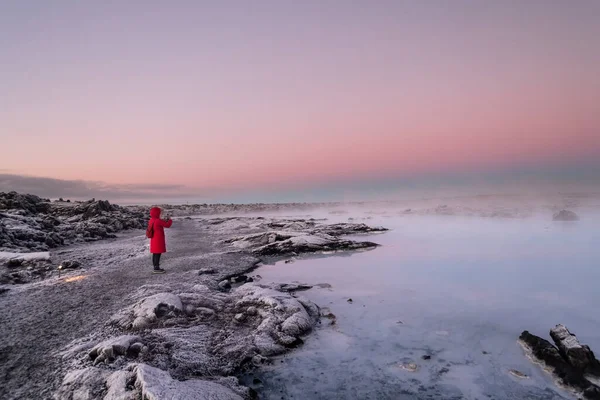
(156, 260)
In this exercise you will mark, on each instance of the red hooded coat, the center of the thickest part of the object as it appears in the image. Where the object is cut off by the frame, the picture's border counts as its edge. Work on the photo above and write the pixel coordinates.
(157, 243)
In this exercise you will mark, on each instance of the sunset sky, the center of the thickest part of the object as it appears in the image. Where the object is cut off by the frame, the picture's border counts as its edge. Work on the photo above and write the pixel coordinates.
(199, 97)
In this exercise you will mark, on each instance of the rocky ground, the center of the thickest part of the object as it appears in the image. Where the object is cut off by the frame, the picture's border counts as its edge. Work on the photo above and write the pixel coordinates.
(29, 223)
(104, 327)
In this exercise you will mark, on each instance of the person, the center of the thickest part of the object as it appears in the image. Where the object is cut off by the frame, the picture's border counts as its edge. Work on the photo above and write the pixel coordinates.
(158, 244)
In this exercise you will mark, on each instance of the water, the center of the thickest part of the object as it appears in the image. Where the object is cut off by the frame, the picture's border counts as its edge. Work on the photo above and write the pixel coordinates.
(457, 289)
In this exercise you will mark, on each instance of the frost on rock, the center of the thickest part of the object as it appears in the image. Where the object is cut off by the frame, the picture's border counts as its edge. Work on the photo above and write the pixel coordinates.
(195, 301)
(284, 318)
(261, 239)
(343, 229)
(39, 256)
(22, 268)
(119, 385)
(190, 350)
(141, 381)
(30, 223)
(109, 349)
(574, 364)
(278, 243)
(292, 287)
(155, 384)
(149, 310)
(310, 244)
(578, 355)
(83, 384)
(209, 333)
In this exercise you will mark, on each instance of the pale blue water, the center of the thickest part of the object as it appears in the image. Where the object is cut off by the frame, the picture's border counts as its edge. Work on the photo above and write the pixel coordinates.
(460, 287)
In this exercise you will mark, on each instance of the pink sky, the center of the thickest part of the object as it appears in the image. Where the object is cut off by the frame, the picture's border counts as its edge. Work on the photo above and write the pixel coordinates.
(238, 95)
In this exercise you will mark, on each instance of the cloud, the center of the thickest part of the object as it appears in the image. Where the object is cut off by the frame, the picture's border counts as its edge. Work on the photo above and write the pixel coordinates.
(79, 189)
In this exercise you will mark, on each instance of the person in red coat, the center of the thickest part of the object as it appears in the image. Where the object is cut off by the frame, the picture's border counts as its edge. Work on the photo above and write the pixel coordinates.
(158, 245)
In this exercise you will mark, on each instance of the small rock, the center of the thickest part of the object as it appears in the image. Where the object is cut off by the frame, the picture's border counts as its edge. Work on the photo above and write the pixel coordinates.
(323, 285)
(68, 264)
(240, 317)
(289, 261)
(239, 279)
(410, 367)
(252, 310)
(14, 262)
(189, 309)
(205, 312)
(206, 271)
(518, 374)
(259, 360)
(426, 357)
(256, 381)
(225, 285)
(293, 287)
(349, 300)
(326, 313)
(136, 348)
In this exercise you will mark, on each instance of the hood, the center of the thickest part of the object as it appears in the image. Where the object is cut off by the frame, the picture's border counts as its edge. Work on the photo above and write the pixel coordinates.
(155, 212)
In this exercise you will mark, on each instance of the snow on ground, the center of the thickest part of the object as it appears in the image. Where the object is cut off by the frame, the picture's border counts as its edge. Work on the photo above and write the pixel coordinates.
(38, 256)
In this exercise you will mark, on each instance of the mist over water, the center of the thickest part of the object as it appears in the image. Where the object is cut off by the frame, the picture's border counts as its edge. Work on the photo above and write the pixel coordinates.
(458, 288)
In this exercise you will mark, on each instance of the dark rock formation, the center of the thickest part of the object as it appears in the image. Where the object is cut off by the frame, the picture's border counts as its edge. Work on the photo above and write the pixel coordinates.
(292, 287)
(25, 202)
(30, 223)
(225, 285)
(565, 215)
(207, 271)
(69, 264)
(347, 229)
(284, 243)
(571, 362)
(579, 356)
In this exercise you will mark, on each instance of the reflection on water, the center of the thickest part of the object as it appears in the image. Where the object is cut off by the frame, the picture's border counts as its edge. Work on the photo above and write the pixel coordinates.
(436, 310)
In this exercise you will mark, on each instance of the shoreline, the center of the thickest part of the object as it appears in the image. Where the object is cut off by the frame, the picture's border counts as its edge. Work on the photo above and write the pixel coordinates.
(105, 322)
(114, 281)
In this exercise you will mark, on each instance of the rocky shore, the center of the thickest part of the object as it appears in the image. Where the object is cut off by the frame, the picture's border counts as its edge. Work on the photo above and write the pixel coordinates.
(29, 223)
(104, 327)
(573, 364)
